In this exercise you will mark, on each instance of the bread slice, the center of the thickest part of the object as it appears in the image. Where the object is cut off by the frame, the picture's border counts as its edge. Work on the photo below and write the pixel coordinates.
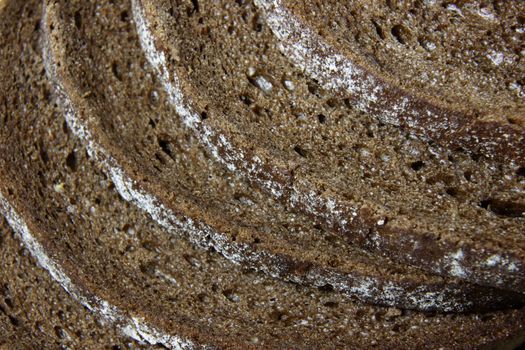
(109, 255)
(36, 313)
(462, 95)
(382, 188)
(465, 56)
(146, 152)
(170, 294)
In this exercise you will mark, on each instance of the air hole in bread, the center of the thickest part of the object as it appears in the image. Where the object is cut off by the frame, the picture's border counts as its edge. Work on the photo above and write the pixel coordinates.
(65, 128)
(195, 4)
(332, 102)
(521, 171)
(115, 68)
(504, 208)
(166, 147)
(426, 44)
(313, 88)
(258, 110)
(257, 23)
(399, 328)
(401, 33)
(300, 151)
(326, 288)
(417, 165)
(321, 118)
(246, 99)
(149, 268)
(78, 19)
(193, 9)
(161, 160)
(60, 333)
(348, 103)
(487, 317)
(61, 315)
(124, 16)
(231, 295)
(152, 123)
(331, 304)
(14, 321)
(203, 298)
(153, 98)
(46, 94)
(380, 32)
(9, 302)
(151, 246)
(204, 115)
(71, 161)
(43, 154)
(513, 121)
(278, 315)
(452, 191)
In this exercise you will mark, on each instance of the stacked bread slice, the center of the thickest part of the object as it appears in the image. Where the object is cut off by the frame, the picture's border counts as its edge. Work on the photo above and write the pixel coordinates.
(36, 313)
(336, 154)
(192, 186)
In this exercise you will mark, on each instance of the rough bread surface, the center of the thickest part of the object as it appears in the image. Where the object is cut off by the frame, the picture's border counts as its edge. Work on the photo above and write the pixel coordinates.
(85, 268)
(468, 54)
(112, 114)
(37, 313)
(380, 186)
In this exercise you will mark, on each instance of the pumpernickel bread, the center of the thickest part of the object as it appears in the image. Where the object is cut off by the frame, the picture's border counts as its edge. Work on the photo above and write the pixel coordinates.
(466, 102)
(156, 165)
(465, 55)
(384, 189)
(160, 289)
(36, 313)
(134, 276)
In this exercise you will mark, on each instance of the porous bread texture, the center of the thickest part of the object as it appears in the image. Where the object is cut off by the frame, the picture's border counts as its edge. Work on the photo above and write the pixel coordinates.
(269, 238)
(71, 209)
(467, 54)
(36, 313)
(68, 207)
(486, 133)
(394, 194)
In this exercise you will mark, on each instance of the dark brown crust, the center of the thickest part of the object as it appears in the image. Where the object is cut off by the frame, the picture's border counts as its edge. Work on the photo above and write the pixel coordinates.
(491, 139)
(396, 243)
(277, 262)
(55, 228)
(20, 195)
(449, 127)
